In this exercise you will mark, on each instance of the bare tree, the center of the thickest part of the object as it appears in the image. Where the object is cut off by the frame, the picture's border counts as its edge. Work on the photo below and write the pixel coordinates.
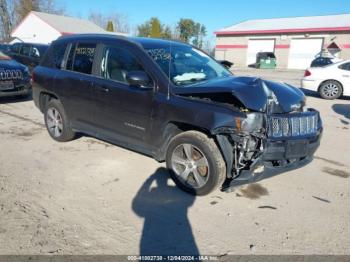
(23, 7)
(120, 21)
(51, 7)
(6, 20)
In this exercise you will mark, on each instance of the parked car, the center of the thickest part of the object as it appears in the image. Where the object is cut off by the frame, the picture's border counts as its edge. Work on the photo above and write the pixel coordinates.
(28, 54)
(171, 101)
(324, 61)
(14, 77)
(331, 81)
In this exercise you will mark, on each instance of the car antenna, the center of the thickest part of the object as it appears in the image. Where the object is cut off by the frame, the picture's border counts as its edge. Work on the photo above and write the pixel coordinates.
(169, 71)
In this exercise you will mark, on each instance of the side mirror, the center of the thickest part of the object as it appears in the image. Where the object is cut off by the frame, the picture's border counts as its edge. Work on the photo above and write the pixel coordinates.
(138, 79)
(226, 63)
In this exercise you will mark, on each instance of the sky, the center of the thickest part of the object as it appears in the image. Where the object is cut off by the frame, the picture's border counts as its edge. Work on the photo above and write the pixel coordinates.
(213, 14)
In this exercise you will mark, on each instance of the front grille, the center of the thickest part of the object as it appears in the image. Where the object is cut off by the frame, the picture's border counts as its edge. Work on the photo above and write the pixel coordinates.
(293, 125)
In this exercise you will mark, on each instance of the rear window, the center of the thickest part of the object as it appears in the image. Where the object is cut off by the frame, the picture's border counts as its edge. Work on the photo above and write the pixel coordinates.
(58, 55)
(54, 57)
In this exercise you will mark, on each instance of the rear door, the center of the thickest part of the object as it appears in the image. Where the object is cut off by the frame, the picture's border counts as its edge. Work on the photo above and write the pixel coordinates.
(74, 83)
(122, 111)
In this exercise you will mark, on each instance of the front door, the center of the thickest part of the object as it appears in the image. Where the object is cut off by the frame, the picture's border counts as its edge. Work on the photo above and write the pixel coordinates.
(122, 111)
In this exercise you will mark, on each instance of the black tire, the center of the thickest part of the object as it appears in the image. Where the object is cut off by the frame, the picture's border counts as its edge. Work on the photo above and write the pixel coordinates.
(66, 133)
(214, 171)
(330, 90)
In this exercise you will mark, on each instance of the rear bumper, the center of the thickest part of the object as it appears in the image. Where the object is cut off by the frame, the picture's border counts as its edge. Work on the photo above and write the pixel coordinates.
(310, 84)
(278, 157)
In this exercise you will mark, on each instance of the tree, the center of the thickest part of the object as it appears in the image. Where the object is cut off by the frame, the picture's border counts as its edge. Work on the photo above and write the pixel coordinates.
(199, 34)
(110, 26)
(144, 30)
(23, 7)
(156, 28)
(6, 21)
(166, 33)
(120, 21)
(187, 29)
(13, 12)
(50, 6)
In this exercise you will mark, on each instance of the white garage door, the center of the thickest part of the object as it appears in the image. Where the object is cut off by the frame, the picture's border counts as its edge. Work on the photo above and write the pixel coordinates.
(259, 45)
(303, 51)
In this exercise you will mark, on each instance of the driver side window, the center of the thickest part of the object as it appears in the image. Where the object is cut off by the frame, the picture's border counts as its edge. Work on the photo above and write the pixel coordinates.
(117, 63)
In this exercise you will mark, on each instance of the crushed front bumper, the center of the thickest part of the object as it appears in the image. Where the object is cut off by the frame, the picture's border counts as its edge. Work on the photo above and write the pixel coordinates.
(279, 156)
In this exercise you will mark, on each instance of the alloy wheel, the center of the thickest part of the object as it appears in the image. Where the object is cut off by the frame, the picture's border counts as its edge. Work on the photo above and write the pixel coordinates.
(190, 165)
(54, 122)
(330, 90)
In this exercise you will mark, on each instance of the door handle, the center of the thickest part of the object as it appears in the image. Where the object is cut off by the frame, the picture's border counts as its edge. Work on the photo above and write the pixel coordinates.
(102, 88)
(346, 75)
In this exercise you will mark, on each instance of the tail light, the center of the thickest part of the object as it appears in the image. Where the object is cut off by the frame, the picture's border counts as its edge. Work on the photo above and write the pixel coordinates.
(307, 73)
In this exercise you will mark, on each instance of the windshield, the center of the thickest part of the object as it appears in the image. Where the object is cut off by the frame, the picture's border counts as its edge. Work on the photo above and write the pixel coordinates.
(3, 56)
(188, 65)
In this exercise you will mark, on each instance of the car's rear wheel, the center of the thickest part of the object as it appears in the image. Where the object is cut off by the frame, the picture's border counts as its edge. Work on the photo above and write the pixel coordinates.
(57, 122)
(330, 90)
(195, 163)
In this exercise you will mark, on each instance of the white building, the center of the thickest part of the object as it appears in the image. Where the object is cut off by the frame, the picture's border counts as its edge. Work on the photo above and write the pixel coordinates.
(296, 41)
(44, 28)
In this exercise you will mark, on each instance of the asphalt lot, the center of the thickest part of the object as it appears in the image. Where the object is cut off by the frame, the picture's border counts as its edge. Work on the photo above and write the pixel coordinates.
(90, 197)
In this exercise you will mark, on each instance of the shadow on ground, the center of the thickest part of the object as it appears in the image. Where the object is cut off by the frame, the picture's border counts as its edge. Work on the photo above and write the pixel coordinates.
(166, 229)
(342, 109)
(15, 99)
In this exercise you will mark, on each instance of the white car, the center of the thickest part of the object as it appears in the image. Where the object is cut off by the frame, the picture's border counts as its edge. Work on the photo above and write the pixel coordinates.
(331, 82)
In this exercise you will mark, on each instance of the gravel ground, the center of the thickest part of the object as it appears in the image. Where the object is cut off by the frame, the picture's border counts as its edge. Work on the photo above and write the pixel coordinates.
(91, 197)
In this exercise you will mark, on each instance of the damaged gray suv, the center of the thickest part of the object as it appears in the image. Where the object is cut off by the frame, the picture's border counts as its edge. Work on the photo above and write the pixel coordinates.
(176, 104)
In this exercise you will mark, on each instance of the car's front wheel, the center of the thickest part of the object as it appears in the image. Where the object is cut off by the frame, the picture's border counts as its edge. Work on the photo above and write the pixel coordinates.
(57, 122)
(195, 163)
(331, 90)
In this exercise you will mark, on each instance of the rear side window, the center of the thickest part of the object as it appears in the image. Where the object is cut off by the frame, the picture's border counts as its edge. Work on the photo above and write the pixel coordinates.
(345, 66)
(54, 56)
(81, 57)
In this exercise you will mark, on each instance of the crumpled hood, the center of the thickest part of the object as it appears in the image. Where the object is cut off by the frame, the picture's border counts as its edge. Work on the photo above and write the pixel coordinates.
(254, 93)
